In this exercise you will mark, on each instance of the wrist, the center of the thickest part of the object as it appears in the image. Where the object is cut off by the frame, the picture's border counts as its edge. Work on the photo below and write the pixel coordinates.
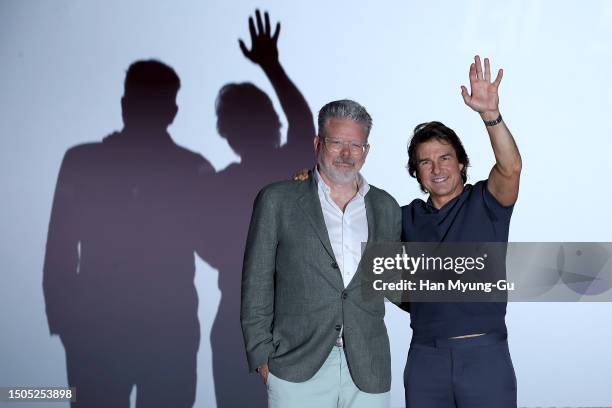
(488, 116)
(271, 66)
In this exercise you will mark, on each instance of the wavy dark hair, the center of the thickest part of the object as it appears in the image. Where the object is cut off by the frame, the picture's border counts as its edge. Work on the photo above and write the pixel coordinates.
(435, 130)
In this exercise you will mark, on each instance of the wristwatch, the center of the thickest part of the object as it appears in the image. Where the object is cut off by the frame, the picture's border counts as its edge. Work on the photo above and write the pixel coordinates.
(493, 122)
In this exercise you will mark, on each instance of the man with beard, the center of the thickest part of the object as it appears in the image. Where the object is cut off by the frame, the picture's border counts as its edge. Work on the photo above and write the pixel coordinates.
(304, 315)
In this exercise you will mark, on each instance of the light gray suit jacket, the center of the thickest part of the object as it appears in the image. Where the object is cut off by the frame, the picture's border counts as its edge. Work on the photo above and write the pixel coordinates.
(293, 298)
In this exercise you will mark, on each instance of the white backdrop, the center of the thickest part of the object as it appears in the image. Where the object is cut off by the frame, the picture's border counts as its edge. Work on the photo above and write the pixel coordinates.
(63, 65)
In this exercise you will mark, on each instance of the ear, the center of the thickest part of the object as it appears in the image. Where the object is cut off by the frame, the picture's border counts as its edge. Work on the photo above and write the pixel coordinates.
(316, 143)
(461, 166)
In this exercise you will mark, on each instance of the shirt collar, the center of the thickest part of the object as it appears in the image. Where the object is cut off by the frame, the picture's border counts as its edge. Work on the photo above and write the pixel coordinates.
(362, 185)
(431, 207)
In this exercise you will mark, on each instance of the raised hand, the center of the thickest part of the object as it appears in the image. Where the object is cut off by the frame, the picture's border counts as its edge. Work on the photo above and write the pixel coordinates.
(263, 44)
(483, 96)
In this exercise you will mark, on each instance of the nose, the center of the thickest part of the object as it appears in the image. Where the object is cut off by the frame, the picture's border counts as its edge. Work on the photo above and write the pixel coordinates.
(346, 150)
(435, 168)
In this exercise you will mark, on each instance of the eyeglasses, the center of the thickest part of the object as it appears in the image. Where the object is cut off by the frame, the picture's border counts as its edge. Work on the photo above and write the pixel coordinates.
(335, 146)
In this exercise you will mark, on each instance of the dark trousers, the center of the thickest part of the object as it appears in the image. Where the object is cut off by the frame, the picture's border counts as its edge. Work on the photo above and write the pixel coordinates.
(463, 373)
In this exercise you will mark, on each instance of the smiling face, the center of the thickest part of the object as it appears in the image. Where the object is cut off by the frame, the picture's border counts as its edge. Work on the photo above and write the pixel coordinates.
(439, 171)
(341, 167)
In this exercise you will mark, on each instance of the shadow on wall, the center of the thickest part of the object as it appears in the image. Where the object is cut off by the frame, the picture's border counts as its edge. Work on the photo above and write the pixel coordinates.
(129, 213)
(246, 118)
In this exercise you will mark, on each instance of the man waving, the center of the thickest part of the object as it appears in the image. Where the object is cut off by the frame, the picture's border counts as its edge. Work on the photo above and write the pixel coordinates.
(459, 353)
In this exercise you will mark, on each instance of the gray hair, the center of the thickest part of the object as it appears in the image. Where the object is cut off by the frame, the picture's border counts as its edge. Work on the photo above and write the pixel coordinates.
(344, 109)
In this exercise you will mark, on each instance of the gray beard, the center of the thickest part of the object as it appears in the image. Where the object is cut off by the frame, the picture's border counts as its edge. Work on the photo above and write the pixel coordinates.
(337, 176)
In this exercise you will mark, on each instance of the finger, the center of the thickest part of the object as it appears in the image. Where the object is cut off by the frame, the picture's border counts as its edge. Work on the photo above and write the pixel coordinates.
(466, 96)
(260, 28)
(478, 67)
(252, 29)
(472, 73)
(276, 32)
(244, 49)
(267, 23)
(499, 77)
(487, 70)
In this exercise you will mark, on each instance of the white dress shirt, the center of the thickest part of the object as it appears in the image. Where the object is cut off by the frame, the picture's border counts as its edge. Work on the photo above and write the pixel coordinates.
(346, 229)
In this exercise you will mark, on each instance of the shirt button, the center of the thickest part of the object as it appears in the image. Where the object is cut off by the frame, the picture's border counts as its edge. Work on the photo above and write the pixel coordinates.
(334, 265)
(344, 295)
(338, 327)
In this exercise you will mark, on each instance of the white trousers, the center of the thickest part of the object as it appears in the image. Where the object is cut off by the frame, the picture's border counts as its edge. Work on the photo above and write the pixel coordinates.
(331, 387)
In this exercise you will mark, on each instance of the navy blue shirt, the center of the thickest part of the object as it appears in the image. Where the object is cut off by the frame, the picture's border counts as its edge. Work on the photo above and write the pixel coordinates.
(473, 216)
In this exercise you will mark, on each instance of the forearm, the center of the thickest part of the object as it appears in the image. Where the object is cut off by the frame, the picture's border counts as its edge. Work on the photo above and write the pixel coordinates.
(257, 305)
(257, 294)
(507, 157)
(59, 285)
(62, 250)
(256, 319)
(292, 101)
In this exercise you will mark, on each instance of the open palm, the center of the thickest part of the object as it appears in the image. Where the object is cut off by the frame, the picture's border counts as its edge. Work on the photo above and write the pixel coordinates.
(483, 95)
(263, 43)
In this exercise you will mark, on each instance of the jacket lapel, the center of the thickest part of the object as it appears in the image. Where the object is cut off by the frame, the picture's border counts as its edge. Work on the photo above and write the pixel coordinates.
(372, 236)
(309, 202)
